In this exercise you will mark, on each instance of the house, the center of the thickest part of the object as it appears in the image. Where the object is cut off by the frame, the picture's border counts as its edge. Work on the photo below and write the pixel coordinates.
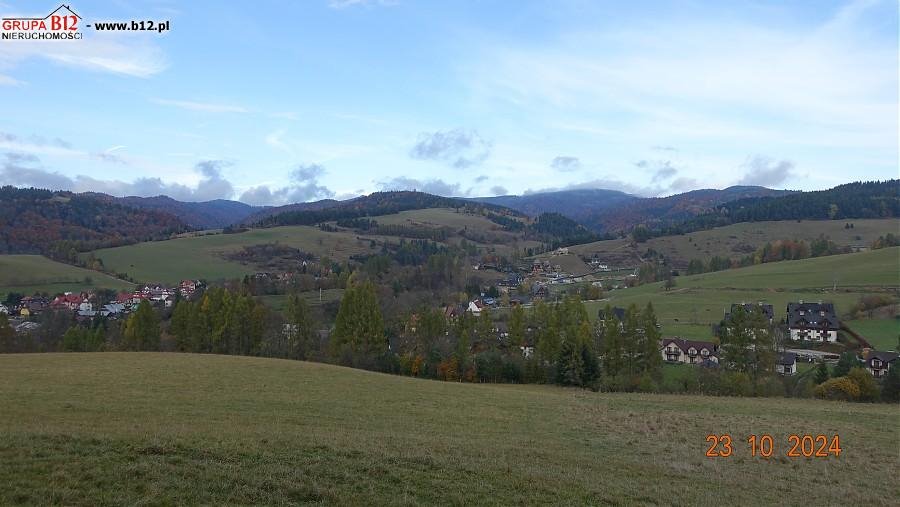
(67, 301)
(32, 305)
(812, 321)
(112, 310)
(188, 287)
(4, 309)
(475, 307)
(879, 363)
(679, 350)
(561, 251)
(539, 291)
(452, 312)
(767, 310)
(786, 363)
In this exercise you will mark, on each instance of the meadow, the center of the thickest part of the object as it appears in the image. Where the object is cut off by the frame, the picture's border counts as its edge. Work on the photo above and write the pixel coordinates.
(698, 301)
(28, 274)
(201, 256)
(157, 428)
(730, 241)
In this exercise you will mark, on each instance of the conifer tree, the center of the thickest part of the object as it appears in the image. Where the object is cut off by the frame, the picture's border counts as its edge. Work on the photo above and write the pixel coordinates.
(301, 328)
(517, 327)
(142, 329)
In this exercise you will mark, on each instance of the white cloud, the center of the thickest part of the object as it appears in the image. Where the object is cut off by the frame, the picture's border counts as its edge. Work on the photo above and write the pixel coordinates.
(206, 107)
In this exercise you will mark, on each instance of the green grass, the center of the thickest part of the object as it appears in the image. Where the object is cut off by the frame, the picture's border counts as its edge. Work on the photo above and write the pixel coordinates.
(725, 241)
(201, 256)
(697, 302)
(27, 274)
(149, 428)
(881, 333)
(279, 302)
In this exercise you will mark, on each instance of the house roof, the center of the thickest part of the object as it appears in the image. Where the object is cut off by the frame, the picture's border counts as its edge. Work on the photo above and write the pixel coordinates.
(885, 357)
(767, 309)
(617, 312)
(685, 345)
(787, 358)
(820, 316)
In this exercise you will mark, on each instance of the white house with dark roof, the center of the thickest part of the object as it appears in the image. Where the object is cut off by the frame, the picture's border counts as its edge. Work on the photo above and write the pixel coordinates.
(879, 363)
(786, 363)
(679, 350)
(816, 322)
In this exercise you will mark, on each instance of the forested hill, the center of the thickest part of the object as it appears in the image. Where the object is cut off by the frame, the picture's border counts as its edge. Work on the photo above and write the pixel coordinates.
(377, 204)
(58, 224)
(558, 230)
(200, 215)
(873, 199)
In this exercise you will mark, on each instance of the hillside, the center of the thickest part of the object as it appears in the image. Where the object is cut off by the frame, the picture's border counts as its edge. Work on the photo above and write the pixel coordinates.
(199, 215)
(870, 199)
(579, 204)
(203, 256)
(657, 211)
(611, 210)
(120, 428)
(27, 274)
(698, 301)
(60, 223)
(736, 240)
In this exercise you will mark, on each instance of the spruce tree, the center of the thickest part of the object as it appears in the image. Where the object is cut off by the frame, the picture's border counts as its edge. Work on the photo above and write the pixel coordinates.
(142, 329)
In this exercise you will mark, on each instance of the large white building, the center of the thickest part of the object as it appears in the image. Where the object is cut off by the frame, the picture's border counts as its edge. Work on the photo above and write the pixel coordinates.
(816, 322)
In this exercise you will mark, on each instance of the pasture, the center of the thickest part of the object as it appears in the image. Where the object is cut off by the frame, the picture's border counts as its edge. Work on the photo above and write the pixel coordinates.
(28, 274)
(698, 301)
(157, 429)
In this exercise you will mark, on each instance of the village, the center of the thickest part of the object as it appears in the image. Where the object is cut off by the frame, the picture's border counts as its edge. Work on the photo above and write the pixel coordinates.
(806, 325)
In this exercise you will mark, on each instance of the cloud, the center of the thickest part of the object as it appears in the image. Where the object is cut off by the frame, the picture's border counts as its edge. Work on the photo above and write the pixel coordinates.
(766, 172)
(24, 170)
(304, 187)
(499, 190)
(122, 53)
(432, 186)
(459, 148)
(9, 81)
(663, 148)
(481, 179)
(664, 171)
(566, 164)
(205, 107)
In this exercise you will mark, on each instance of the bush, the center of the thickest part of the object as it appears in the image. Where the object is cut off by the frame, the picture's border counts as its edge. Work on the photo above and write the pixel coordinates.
(736, 384)
(841, 388)
(868, 389)
(770, 387)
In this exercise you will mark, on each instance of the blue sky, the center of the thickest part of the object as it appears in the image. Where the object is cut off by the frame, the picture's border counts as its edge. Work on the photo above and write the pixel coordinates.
(296, 101)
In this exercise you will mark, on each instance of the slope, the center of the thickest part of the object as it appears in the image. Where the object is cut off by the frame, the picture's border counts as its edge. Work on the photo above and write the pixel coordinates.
(126, 428)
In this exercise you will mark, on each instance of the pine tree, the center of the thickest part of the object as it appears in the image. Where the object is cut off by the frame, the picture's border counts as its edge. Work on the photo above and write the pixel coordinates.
(486, 329)
(612, 344)
(821, 374)
(517, 327)
(142, 329)
(7, 335)
(571, 365)
(301, 328)
(651, 356)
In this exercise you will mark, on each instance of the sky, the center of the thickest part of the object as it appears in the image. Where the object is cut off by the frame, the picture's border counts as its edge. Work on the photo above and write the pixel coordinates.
(278, 102)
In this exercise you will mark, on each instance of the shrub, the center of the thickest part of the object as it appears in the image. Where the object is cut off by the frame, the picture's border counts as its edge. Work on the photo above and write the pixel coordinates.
(868, 389)
(841, 388)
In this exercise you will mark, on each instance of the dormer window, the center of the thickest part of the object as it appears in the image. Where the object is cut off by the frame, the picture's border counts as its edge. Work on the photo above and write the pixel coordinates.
(704, 352)
(876, 363)
(802, 312)
(692, 351)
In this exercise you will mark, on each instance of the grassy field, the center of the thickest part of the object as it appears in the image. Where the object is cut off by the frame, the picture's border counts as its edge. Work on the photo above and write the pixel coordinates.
(698, 301)
(727, 241)
(155, 429)
(881, 333)
(279, 302)
(200, 256)
(27, 274)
